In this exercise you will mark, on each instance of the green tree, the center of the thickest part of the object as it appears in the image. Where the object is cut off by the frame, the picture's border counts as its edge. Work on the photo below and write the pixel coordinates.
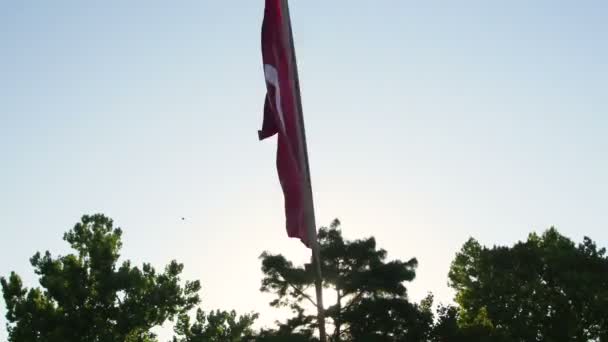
(87, 296)
(216, 326)
(447, 328)
(284, 335)
(544, 289)
(371, 299)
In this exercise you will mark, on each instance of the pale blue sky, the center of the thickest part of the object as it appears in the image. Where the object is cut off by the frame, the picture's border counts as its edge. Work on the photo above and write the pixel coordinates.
(428, 122)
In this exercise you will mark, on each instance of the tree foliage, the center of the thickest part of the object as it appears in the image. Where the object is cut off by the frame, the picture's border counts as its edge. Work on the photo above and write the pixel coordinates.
(544, 289)
(88, 296)
(371, 298)
(215, 326)
(448, 329)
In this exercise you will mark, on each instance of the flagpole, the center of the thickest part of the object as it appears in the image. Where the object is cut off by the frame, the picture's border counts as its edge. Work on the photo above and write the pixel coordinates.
(310, 215)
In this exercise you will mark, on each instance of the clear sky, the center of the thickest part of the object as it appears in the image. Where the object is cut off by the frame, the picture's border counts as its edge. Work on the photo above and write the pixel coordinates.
(427, 121)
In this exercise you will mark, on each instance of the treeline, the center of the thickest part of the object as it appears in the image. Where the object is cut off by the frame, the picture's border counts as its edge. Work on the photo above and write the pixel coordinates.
(546, 288)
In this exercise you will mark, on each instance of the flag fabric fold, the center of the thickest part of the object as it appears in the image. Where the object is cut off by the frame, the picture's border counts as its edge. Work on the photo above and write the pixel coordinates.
(282, 117)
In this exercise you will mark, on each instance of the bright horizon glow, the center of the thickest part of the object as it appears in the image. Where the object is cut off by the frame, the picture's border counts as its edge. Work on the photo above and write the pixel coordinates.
(426, 123)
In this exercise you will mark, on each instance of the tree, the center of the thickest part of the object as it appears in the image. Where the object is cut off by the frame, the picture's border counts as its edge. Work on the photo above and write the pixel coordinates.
(296, 329)
(281, 335)
(544, 289)
(371, 299)
(86, 296)
(217, 326)
(448, 329)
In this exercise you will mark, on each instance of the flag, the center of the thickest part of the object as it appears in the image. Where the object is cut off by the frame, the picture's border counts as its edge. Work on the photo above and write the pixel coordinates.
(283, 117)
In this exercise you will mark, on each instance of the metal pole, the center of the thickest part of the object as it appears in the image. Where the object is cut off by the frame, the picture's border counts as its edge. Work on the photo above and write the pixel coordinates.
(312, 228)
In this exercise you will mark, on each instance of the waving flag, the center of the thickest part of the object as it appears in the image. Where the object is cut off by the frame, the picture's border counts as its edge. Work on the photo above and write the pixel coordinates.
(283, 117)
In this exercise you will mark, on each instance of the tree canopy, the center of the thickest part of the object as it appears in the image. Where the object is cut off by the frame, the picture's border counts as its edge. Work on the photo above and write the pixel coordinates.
(371, 298)
(544, 289)
(88, 296)
(215, 326)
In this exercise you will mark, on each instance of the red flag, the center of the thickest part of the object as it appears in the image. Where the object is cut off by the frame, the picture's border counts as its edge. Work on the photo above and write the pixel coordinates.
(282, 116)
